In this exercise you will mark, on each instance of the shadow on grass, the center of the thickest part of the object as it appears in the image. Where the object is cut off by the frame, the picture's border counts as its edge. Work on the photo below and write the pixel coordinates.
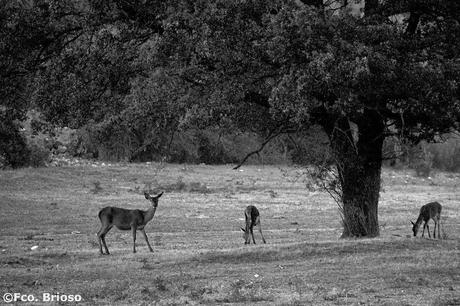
(337, 249)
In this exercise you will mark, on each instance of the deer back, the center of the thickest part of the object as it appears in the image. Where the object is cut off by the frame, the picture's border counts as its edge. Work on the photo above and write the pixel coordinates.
(122, 218)
(252, 215)
(430, 210)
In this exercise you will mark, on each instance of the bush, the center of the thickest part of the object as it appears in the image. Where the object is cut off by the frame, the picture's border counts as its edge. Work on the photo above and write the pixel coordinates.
(422, 169)
(39, 155)
(421, 160)
(183, 148)
(108, 140)
(13, 148)
(83, 143)
(213, 151)
(446, 155)
(310, 148)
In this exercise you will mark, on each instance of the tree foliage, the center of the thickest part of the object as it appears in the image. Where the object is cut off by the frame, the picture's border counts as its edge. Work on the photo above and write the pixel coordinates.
(138, 71)
(31, 34)
(361, 79)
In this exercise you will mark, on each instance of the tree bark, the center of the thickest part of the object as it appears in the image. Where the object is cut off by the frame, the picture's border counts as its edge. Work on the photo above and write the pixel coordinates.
(360, 197)
(358, 156)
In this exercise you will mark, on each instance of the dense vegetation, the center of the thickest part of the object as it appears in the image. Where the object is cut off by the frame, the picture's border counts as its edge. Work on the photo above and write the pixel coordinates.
(136, 74)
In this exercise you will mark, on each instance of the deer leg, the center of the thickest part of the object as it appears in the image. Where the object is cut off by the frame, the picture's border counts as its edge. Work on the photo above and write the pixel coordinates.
(146, 240)
(435, 226)
(438, 224)
(260, 230)
(134, 229)
(439, 228)
(105, 245)
(101, 237)
(252, 235)
(247, 230)
(428, 229)
(100, 243)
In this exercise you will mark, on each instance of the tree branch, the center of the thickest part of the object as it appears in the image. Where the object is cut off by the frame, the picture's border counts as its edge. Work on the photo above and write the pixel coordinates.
(272, 135)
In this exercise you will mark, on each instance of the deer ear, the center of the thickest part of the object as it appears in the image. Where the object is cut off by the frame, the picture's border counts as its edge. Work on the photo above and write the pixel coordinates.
(147, 196)
(159, 195)
(412, 223)
(243, 229)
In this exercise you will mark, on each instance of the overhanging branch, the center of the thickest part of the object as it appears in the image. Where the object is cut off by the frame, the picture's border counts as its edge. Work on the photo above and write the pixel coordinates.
(272, 135)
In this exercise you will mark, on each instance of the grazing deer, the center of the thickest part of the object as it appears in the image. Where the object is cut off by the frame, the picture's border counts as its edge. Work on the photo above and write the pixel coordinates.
(252, 217)
(126, 219)
(429, 211)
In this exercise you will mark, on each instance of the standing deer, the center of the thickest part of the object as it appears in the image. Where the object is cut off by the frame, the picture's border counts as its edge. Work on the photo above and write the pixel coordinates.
(126, 219)
(252, 217)
(429, 211)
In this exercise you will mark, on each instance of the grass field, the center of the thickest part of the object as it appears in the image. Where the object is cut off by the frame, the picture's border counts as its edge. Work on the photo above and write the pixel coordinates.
(48, 220)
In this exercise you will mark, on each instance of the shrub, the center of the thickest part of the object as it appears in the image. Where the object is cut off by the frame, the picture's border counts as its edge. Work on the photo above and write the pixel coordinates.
(422, 169)
(212, 151)
(310, 148)
(13, 148)
(423, 163)
(183, 148)
(39, 155)
(446, 155)
(83, 143)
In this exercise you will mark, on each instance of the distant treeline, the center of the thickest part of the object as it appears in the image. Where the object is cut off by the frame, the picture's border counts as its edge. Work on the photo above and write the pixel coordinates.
(114, 142)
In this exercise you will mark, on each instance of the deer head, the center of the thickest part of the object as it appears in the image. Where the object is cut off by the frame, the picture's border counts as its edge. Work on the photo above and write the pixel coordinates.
(153, 199)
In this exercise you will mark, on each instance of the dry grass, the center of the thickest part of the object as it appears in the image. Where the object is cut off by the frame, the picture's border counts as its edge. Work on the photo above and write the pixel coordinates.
(199, 253)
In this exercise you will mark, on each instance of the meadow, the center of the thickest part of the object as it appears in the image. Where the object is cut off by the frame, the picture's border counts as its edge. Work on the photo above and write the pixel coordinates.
(48, 219)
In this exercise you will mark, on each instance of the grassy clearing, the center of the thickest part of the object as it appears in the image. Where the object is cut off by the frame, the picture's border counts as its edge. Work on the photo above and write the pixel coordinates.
(199, 254)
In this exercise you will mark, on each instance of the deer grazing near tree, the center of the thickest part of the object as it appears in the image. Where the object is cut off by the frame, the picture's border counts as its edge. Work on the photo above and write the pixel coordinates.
(252, 217)
(429, 211)
(126, 219)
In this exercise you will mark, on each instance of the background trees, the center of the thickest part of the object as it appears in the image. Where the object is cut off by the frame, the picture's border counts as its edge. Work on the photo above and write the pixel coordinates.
(32, 34)
(137, 72)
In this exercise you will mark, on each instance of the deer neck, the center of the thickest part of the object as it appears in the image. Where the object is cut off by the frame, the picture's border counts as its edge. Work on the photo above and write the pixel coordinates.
(149, 214)
(419, 220)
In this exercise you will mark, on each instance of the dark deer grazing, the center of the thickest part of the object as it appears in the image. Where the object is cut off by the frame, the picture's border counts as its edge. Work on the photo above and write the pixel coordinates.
(252, 217)
(429, 211)
(126, 219)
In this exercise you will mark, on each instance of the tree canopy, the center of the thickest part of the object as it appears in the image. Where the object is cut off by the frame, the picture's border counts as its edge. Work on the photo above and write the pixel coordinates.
(272, 67)
(393, 72)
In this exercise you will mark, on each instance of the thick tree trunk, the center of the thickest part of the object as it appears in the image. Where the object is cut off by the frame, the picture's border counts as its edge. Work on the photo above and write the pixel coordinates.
(358, 155)
(360, 197)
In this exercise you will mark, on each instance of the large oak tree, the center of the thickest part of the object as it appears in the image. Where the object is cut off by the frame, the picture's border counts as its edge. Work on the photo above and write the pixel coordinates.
(286, 65)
